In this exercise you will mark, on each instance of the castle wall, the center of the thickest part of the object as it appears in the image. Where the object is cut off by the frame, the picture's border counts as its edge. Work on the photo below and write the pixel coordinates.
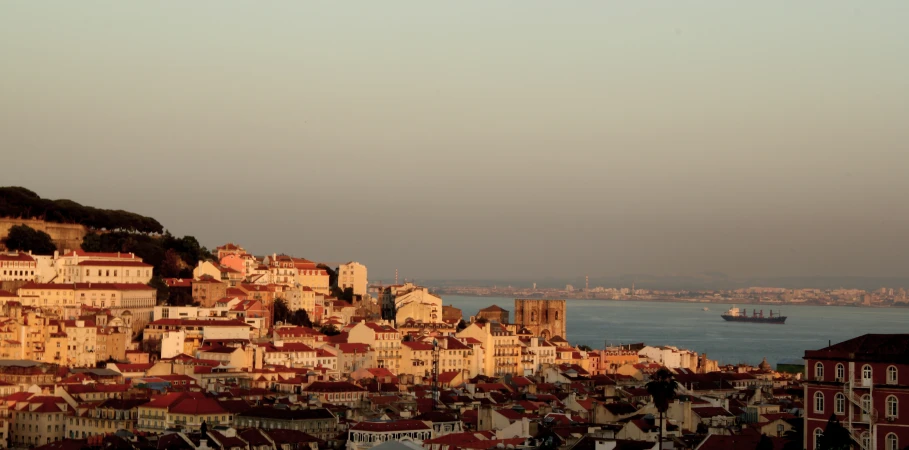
(67, 236)
(542, 317)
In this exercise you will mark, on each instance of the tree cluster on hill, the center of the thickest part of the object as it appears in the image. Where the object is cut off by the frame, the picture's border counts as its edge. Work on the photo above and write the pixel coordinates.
(171, 256)
(20, 202)
(283, 314)
(27, 239)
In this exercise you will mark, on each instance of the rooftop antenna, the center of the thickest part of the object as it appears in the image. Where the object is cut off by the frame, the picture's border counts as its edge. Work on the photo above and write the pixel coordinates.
(396, 276)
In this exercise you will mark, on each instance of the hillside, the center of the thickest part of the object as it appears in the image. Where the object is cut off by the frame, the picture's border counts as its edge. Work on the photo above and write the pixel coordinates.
(21, 203)
(104, 230)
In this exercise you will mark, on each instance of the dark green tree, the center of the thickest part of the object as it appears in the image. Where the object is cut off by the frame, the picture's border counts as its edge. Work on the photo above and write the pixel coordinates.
(332, 274)
(300, 318)
(27, 239)
(281, 312)
(172, 264)
(765, 443)
(836, 436)
(585, 348)
(662, 388)
(329, 330)
(462, 325)
(794, 437)
(159, 285)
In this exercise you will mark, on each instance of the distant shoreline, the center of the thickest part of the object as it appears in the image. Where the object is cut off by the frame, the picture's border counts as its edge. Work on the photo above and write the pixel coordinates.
(695, 301)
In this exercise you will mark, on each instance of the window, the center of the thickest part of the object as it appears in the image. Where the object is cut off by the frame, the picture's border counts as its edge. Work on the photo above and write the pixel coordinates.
(840, 372)
(839, 403)
(866, 407)
(866, 374)
(819, 402)
(819, 372)
(866, 440)
(892, 375)
(892, 442)
(893, 406)
(817, 437)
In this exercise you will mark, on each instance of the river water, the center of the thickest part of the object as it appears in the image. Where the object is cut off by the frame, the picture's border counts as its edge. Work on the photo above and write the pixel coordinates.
(686, 325)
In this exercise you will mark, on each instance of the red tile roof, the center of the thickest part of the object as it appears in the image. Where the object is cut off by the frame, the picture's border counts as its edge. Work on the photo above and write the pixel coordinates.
(114, 263)
(89, 286)
(397, 425)
(200, 322)
(744, 441)
(333, 386)
(18, 256)
(197, 406)
(99, 254)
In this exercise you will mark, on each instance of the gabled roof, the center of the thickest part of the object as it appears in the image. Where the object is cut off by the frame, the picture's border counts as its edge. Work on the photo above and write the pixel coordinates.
(98, 263)
(89, 286)
(868, 347)
(744, 441)
(493, 308)
(17, 256)
(333, 386)
(397, 425)
(705, 412)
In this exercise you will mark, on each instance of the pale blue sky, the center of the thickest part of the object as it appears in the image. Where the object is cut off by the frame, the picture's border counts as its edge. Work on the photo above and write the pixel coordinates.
(479, 139)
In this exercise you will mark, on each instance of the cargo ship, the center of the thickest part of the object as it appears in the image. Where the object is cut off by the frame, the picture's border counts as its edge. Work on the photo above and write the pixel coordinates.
(735, 315)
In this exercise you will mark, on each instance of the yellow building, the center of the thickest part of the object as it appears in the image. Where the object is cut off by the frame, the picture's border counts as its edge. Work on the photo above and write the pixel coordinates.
(104, 418)
(353, 275)
(502, 350)
(38, 420)
(67, 300)
(384, 340)
(187, 410)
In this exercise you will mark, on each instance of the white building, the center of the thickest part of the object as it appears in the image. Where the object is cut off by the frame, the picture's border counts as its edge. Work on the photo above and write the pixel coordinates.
(77, 267)
(670, 357)
(18, 266)
(353, 275)
(418, 304)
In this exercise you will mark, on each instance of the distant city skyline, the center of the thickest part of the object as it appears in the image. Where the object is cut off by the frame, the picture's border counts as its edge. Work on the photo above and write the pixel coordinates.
(490, 141)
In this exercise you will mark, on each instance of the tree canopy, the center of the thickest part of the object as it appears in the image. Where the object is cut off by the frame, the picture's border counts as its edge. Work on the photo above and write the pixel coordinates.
(171, 256)
(836, 436)
(27, 239)
(281, 311)
(22, 203)
(329, 330)
(662, 387)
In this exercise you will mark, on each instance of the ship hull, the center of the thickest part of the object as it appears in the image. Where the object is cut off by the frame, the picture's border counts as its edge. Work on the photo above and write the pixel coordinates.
(774, 320)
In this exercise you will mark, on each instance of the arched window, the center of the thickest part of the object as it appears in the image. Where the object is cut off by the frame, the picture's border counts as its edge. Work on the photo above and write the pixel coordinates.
(893, 443)
(533, 316)
(818, 433)
(892, 375)
(866, 407)
(556, 315)
(839, 403)
(819, 372)
(866, 374)
(893, 406)
(840, 372)
(866, 440)
(819, 402)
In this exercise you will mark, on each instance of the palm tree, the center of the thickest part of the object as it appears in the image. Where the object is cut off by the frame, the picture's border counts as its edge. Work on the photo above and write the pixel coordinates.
(662, 389)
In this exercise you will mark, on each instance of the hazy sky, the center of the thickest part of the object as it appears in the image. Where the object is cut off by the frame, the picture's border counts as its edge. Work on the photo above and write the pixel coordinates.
(479, 139)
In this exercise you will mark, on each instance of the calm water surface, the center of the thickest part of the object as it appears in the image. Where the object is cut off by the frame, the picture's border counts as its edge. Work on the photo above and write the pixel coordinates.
(593, 322)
